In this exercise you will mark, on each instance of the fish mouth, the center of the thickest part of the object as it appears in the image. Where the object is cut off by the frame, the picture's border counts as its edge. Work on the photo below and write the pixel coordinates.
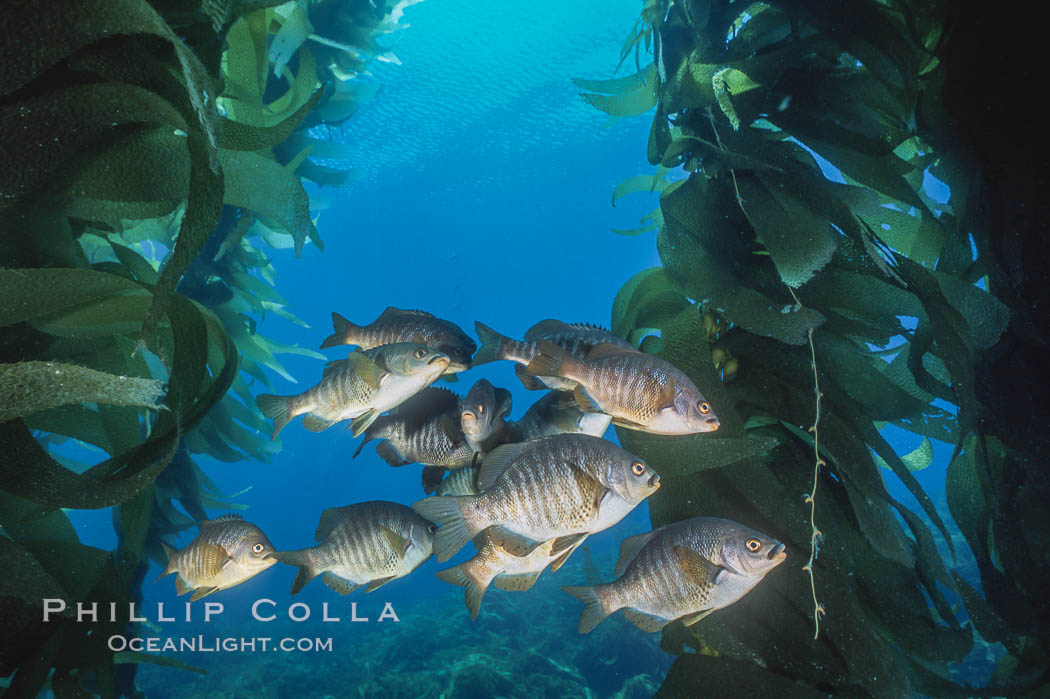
(456, 367)
(654, 481)
(777, 553)
(440, 358)
(710, 424)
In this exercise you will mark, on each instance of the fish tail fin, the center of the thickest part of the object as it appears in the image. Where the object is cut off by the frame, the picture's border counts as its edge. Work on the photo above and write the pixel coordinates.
(302, 560)
(550, 361)
(493, 345)
(595, 610)
(468, 576)
(453, 531)
(170, 553)
(344, 332)
(276, 408)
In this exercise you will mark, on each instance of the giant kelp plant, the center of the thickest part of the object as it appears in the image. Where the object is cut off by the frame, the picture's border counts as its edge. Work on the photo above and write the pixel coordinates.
(817, 289)
(152, 151)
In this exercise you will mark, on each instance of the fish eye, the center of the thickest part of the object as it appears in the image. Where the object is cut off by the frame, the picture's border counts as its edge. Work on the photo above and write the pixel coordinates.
(703, 407)
(637, 468)
(420, 353)
(753, 545)
(258, 548)
(432, 528)
(481, 409)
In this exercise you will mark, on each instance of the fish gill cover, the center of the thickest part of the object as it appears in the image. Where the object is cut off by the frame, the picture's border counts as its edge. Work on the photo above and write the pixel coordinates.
(157, 150)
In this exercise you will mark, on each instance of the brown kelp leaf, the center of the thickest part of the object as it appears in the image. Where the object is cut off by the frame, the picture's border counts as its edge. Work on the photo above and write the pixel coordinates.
(728, 677)
(28, 387)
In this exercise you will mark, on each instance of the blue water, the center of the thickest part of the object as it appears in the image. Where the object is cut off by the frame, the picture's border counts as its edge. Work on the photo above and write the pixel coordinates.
(484, 194)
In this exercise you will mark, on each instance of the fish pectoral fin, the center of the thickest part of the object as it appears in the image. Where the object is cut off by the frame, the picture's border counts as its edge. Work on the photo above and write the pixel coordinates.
(362, 422)
(181, 587)
(587, 482)
(698, 569)
(513, 543)
(343, 587)
(397, 542)
(202, 592)
(388, 453)
(213, 559)
(378, 583)
(560, 560)
(629, 548)
(584, 400)
(316, 423)
(564, 543)
(517, 582)
(644, 621)
(693, 618)
(365, 369)
(627, 424)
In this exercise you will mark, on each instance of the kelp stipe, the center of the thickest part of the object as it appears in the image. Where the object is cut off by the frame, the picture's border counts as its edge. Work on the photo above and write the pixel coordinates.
(150, 147)
(808, 132)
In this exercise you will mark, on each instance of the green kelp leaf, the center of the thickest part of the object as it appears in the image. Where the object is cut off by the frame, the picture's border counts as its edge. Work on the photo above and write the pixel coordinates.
(118, 314)
(246, 59)
(127, 656)
(686, 455)
(968, 492)
(30, 293)
(645, 78)
(986, 316)
(76, 421)
(257, 183)
(920, 457)
(640, 183)
(239, 136)
(799, 242)
(648, 299)
(703, 278)
(28, 387)
(625, 96)
(728, 677)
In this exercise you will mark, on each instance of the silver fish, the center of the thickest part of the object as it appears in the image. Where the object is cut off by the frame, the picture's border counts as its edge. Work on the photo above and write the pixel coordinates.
(684, 570)
(557, 413)
(395, 325)
(360, 387)
(575, 338)
(494, 565)
(370, 543)
(226, 552)
(482, 415)
(561, 487)
(640, 391)
(424, 429)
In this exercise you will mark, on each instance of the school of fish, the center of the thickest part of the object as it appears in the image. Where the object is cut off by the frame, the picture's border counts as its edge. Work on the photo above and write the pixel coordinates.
(527, 493)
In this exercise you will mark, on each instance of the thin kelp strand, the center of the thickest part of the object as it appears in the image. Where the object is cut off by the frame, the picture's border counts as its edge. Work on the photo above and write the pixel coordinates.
(815, 535)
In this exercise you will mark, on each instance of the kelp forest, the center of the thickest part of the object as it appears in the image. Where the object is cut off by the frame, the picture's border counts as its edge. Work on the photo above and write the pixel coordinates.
(850, 232)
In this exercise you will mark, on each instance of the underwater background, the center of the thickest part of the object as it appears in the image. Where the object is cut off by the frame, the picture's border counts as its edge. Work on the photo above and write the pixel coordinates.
(462, 173)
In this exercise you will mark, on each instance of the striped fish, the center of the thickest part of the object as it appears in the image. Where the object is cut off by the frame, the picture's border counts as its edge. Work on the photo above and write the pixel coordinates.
(494, 565)
(370, 543)
(425, 429)
(561, 487)
(226, 552)
(462, 481)
(395, 325)
(575, 338)
(359, 387)
(557, 413)
(640, 391)
(685, 571)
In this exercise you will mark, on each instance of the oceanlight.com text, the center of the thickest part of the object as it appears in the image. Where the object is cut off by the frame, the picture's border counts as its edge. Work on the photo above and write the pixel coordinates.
(219, 644)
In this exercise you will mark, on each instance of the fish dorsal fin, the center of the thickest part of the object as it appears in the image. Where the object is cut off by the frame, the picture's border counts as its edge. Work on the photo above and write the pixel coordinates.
(343, 587)
(629, 550)
(605, 349)
(330, 518)
(693, 618)
(397, 542)
(530, 382)
(449, 426)
(591, 326)
(378, 583)
(504, 401)
(392, 312)
(699, 570)
(228, 517)
(429, 402)
(546, 328)
(513, 543)
(496, 462)
(517, 582)
(646, 622)
(213, 559)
